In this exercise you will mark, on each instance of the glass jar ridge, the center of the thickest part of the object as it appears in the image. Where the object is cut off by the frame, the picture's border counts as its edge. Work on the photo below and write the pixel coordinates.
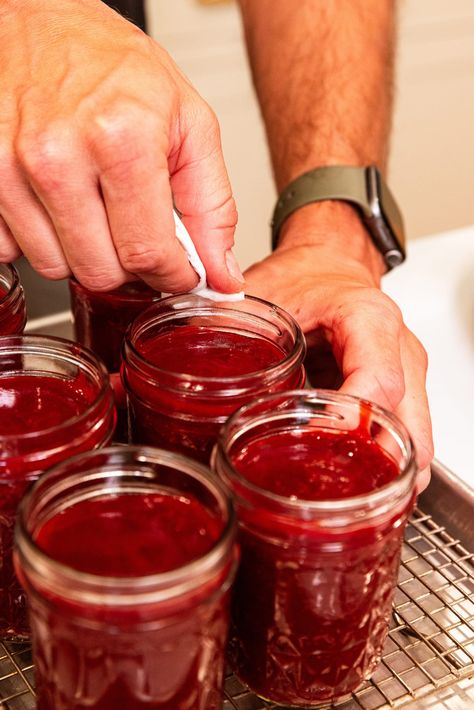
(101, 318)
(34, 444)
(186, 411)
(56, 357)
(139, 641)
(312, 599)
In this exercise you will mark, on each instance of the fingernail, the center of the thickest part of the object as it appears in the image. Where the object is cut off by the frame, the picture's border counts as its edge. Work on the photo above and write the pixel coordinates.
(233, 267)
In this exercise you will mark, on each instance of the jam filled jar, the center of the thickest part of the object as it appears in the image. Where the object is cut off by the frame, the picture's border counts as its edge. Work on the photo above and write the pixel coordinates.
(131, 611)
(100, 319)
(12, 302)
(188, 363)
(55, 401)
(323, 484)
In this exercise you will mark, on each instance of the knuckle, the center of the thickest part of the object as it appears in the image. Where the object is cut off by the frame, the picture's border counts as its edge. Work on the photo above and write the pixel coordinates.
(393, 386)
(226, 216)
(98, 280)
(9, 251)
(53, 270)
(136, 259)
(45, 158)
(419, 351)
(209, 119)
(7, 161)
(383, 303)
(119, 139)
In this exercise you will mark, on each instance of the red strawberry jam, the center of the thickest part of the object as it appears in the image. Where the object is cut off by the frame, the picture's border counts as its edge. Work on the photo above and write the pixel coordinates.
(151, 534)
(100, 320)
(189, 364)
(136, 614)
(55, 401)
(322, 511)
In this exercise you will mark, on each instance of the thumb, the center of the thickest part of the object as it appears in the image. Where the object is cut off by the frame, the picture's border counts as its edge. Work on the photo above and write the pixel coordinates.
(203, 195)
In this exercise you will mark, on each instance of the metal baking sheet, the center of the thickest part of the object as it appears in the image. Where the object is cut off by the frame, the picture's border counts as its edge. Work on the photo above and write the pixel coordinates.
(428, 660)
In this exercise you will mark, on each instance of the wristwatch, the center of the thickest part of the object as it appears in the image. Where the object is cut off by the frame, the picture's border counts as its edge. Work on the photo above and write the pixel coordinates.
(363, 187)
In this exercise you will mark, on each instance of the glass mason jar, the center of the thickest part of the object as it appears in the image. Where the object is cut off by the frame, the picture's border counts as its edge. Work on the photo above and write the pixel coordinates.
(55, 401)
(133, 611)
(323, 485)
(188, 363)
(12, 301)
(100, 320)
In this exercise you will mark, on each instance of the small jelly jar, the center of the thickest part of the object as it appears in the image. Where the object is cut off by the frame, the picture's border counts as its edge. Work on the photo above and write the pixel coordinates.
(100, 320)
(323, 484)
(127, 556)
(12, 302)
(188, 363)
(55, 401)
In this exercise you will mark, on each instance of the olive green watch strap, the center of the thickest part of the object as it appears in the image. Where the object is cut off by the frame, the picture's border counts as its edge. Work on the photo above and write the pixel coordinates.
(361, 186)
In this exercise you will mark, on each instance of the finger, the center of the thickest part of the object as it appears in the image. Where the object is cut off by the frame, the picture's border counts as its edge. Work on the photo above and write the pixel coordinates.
(203, 195)
(68, 189)
(28, 222)
(9, 249)
(423, 480)
(135, 185)
(366, 345)
(413, 410)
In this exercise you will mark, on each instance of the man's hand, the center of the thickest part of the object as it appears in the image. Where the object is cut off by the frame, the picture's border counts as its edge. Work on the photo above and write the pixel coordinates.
(349, 323)
(99, 132)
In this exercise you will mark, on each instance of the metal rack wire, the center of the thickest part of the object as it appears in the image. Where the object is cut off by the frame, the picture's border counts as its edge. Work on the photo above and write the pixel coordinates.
(428, 660)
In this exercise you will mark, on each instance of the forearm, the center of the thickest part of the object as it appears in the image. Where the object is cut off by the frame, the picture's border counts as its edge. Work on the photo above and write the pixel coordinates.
(323, 73)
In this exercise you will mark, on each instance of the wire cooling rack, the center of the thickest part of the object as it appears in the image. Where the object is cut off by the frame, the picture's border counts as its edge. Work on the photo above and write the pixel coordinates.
(428, 660)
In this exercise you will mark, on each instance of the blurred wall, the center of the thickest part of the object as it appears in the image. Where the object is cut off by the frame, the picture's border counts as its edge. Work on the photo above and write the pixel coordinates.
(432, 158)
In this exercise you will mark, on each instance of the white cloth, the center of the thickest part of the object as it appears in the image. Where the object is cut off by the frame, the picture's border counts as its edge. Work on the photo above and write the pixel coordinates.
(202, 289)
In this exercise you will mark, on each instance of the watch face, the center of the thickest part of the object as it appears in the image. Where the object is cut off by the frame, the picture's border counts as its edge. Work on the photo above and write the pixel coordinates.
(386, 221)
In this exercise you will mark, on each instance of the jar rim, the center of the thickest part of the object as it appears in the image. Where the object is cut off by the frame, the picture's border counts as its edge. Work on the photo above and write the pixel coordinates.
(376, 497)
(149, 588)
(226, 308)
(14, 343)
(115, 293)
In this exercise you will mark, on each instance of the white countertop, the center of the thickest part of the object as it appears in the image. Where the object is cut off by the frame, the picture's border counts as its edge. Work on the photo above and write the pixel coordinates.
(435, 291)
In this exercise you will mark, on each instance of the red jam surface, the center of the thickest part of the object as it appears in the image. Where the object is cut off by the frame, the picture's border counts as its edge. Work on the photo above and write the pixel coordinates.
(30, 403)
(160, 660)
(12, 313)
(203, 352)
(151, 534)
(316, 465)
(45, 408)
(312, 603)
(189, 420)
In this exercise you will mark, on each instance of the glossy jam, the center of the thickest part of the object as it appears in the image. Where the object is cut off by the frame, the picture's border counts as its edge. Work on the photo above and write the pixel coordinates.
(189, 420)
(100, 320)
(43, 420)
(160, 657)
(12, 302)
(316, 465)
(151, 534)
(312, 603)
(30, 403)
